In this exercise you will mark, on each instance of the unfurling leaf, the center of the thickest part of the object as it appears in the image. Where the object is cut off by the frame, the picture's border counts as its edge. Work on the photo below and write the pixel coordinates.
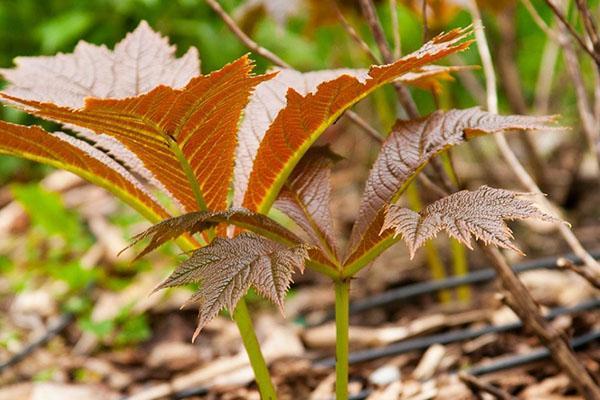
(63, 151)
(305, 198)
(408, 148)
(198, 123)
(305, 117)
(480, 213)
(226, 268)
(198, 221)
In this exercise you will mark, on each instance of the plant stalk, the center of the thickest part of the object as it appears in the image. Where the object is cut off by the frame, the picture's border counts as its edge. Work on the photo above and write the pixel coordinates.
(342, 326)
(241, 316)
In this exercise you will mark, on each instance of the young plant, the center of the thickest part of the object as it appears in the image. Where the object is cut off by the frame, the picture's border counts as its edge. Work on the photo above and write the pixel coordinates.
(145, 122)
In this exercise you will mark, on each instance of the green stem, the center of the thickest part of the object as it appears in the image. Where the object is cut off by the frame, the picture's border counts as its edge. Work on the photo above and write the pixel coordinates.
(342, 326)
(257, 361)
(241, 316)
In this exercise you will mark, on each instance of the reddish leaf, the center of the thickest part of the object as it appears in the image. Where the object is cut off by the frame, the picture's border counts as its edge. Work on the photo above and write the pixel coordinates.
(480, 213)
(406, 151)
(228, 267)
(305, 117)
(199, 120)
(305, 198)
(71, 154)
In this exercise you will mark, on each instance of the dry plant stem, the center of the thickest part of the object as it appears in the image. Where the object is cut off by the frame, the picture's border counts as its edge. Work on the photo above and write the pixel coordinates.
(512, 86)
(539, 21)
(404, 96)
(589, 24)
(573, 32)
(581, 271)
(342, 327)
(508, 155)
(522, 302)
(588, 120)
(355, 36)
(468, 79)
(528, 311)
(396, 29)
(256, 48)
(478, 386)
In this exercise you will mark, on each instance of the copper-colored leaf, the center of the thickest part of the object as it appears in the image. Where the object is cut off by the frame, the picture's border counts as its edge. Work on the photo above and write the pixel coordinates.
(139, 63)
(305, 198)
(198, 221)
(305, 117)
(480, 213)
(269, 99)
(200, 121)
(227, 268)
(71, 154)
(407, 150)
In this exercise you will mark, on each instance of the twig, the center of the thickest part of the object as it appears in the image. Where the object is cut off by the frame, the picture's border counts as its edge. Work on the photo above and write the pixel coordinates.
(477, 386)
(581, 271)
(355, 36)
(255, 47)
(589, 25)
(404, 96)
(573, 32)
(396, 29)
(508, 155)
(539, 21)
(512, 86)
(524, 305)
(528, 311)
(425, 25)
(588, 120)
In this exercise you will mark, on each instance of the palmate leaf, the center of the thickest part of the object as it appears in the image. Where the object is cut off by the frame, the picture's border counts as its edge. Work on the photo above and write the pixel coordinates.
(227, 268)
(199, 221)
(269, 99)
(65, 152)
(140, 62)
(305, 198)
(480, 213)
(198, 123)
(408, 148)
(305, 117)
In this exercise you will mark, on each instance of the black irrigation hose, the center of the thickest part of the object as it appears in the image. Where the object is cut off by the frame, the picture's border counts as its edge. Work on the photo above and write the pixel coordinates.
(535, 355)
(479, 276)
(450, 337)
(55, 329)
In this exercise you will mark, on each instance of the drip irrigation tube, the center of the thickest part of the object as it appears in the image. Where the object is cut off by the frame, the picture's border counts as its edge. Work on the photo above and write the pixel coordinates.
(450, 337)
(479, 276)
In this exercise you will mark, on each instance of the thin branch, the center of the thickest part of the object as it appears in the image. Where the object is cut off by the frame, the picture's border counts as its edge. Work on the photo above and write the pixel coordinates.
(425, 24)
(375, 25)
(586, 114)
(539, 21)
(355, 36)
(508, 155)
(520, 300)
(396, 29)
(592, 279)
(477, 386)
(255, 47)
(573, 32)
(589, 24)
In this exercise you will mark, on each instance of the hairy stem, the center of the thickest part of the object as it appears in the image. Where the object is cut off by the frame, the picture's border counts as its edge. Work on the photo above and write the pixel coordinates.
(342, 326)
(241, 316)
